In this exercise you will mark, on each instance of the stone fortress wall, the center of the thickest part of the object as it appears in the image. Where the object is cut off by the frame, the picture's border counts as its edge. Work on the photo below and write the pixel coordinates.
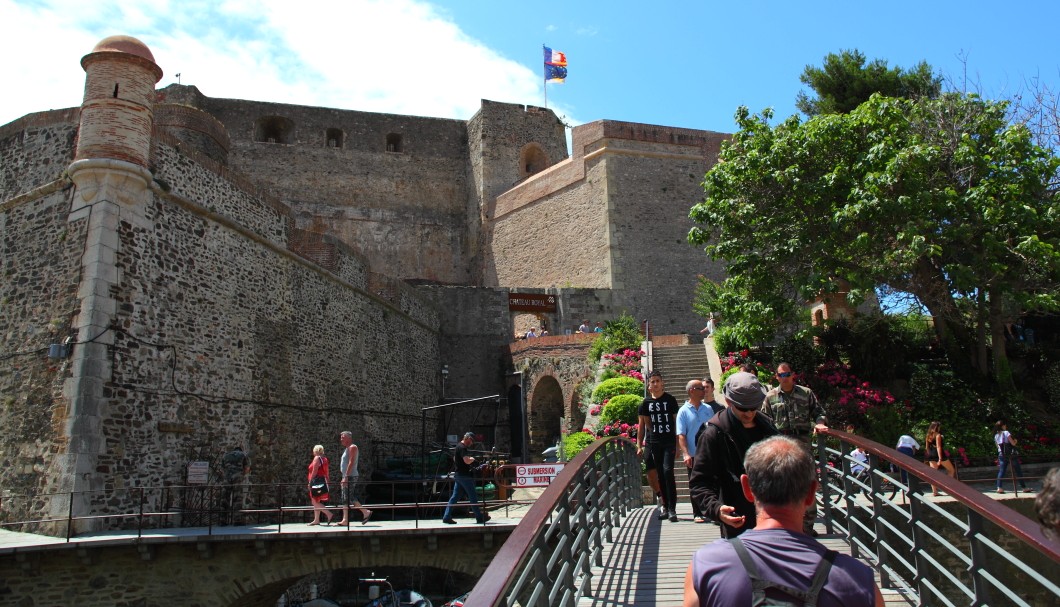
(283, 272)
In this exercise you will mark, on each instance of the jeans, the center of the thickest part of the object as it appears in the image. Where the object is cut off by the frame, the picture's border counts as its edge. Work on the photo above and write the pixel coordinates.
(1002, 468)
(466, 484)
(907, 451)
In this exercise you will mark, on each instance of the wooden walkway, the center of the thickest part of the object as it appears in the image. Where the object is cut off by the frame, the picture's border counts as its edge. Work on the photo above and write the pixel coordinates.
(646, 563)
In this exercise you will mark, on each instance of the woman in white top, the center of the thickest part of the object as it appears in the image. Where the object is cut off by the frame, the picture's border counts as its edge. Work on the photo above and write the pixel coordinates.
(1006, 454)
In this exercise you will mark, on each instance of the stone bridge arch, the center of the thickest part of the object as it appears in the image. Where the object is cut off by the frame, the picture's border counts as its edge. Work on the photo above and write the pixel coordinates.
(238, 570)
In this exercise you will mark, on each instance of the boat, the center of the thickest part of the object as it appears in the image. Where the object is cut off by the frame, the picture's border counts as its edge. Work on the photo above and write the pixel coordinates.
(400, 598)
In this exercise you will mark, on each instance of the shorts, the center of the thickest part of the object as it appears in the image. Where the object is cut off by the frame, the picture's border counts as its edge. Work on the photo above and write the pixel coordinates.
(649, 459)
(351, 491)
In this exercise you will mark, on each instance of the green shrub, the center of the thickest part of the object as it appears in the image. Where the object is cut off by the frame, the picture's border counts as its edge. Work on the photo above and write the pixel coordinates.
(610, 388)
(621, 408)
(574, 444)
(618, 335)
(798, 350)
(726, 340)
(936, 394)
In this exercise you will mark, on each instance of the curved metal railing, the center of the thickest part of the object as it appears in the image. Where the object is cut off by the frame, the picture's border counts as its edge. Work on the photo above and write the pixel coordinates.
(548, 559)
(971, 550)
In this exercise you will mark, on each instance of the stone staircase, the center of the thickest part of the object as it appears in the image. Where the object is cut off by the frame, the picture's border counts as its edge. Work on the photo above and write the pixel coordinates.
(679, 364)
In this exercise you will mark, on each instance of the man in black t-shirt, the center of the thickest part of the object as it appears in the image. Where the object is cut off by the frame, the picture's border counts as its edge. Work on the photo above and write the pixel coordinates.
(657, 429)
(464, 481)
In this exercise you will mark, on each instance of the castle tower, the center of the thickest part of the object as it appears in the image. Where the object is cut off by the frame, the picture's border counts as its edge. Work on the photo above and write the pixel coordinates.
(116, 114)
(113, 186)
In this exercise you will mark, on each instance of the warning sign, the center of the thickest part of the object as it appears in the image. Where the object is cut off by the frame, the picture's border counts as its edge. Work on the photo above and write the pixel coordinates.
(536, 475)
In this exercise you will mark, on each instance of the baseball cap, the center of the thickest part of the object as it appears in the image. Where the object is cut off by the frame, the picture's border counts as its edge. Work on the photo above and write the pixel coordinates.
(470, 435)
(744, 392)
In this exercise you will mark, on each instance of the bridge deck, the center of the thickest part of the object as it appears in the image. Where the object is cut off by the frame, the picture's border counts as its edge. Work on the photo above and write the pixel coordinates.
(646, 563)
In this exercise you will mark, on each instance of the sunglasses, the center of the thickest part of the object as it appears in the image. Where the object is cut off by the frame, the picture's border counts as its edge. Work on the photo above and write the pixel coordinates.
(697, 388)
(785, 374)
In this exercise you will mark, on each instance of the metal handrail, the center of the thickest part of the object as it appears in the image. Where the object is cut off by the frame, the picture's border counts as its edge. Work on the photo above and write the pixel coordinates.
(269, 505)
(971, 550)
(548, 559)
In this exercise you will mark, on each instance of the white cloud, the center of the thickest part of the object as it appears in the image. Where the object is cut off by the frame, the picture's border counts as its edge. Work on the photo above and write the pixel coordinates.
(394, 56)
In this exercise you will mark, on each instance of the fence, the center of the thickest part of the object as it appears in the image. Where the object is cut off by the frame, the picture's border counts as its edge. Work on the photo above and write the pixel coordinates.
(971, 550)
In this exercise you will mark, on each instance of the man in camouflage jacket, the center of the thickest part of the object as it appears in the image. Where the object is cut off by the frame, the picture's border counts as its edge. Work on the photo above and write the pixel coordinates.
(796, 413)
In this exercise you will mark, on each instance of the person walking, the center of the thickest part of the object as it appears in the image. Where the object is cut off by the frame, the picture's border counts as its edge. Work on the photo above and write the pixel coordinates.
(797, 413)
(935, 453)
(236, 467)
(780, 478)
(657, 430)
(350, 476)
(1006, 455)
(720, 450)
(464, 482)
(690, 418)
(318, 470)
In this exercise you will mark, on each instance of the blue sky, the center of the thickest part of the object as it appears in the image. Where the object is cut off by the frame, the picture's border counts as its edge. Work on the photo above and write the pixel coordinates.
(687, 64)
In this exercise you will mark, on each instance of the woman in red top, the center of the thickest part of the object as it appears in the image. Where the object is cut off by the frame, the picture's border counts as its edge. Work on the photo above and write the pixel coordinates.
(318, 467)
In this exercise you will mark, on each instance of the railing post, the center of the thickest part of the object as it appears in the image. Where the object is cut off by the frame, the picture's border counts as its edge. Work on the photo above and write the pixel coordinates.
(980, 586)
(822, 467)
(70, 517)
(879, 529)
(140, 518)
(919, 543)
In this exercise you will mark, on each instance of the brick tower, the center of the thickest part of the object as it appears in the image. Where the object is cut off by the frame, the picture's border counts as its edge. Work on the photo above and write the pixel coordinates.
(116, 114)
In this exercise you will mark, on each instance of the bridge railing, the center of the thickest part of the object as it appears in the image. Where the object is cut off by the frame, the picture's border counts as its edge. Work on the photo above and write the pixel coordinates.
(971, 550)
(548, 558)
(141, 509)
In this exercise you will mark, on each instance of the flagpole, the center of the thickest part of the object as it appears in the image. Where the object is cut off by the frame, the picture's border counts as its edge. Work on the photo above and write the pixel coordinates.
(544, 78)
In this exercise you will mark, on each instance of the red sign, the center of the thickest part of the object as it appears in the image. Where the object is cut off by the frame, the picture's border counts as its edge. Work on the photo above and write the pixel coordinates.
(531, 302)
(536, 475)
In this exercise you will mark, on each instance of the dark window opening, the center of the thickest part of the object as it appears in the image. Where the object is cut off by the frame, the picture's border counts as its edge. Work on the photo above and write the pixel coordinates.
(393, 143)
(115, 90)
(532, 160)
(274, 129)
(334, 138)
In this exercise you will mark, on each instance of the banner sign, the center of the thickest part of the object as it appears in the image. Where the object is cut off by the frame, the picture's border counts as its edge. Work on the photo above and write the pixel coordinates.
(531, 302)
(536, 475)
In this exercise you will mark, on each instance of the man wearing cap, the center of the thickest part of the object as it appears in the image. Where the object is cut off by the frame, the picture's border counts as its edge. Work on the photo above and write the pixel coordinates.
(796, 413)
(464, 480)
(718, 464)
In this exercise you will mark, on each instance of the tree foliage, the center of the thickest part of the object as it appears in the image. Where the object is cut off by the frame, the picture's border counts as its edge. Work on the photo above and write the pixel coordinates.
(845, 81)
(619, 334)
(939, 197)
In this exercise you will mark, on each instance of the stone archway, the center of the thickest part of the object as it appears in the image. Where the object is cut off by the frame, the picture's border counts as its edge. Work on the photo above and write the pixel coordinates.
(544, 414)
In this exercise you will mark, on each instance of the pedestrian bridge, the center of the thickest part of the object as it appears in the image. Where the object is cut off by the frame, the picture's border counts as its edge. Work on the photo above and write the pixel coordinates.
(588, 541)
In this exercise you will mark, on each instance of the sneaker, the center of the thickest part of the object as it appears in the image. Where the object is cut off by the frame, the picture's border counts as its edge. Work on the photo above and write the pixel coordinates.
(1000, 490)
(484, 518)
(448, 521)
(673, 517)
(662, 513)
(699, 519)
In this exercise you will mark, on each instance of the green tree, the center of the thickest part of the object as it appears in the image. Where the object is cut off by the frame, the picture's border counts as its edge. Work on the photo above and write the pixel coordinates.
(845, 81)
(618, 335)
(939, 198)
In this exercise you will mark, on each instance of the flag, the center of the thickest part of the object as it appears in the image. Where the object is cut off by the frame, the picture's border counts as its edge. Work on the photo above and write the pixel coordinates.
(555, 57)
(555, 65)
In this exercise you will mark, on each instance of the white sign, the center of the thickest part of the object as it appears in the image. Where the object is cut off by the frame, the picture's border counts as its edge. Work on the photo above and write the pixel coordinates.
(536, 475)
(198, 473)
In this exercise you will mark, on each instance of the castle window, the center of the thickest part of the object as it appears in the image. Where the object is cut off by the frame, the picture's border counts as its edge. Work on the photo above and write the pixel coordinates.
(334, 138)
(532, 160)
(274, 129)
(115, 90)
(393, 143)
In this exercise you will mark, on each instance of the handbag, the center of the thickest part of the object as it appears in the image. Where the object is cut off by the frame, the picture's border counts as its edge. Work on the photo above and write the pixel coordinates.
(318, 486)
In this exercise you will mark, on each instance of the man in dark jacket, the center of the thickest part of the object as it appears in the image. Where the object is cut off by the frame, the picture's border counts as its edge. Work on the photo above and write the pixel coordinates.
(715, 480)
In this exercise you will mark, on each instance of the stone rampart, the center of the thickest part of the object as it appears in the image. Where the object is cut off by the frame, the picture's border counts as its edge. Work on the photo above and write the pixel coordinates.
(35, 150)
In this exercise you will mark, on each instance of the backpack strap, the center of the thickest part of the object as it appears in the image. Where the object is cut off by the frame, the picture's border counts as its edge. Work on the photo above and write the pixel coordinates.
(759, 585)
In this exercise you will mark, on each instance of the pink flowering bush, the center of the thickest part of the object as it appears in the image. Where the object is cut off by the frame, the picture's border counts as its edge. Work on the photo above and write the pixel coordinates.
(852, 399)
(731, 363)
(623, 364)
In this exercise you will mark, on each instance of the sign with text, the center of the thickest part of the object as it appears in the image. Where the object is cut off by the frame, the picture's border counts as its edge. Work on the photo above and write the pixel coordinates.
(531, 302)
(198, 473)
(536, 475)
